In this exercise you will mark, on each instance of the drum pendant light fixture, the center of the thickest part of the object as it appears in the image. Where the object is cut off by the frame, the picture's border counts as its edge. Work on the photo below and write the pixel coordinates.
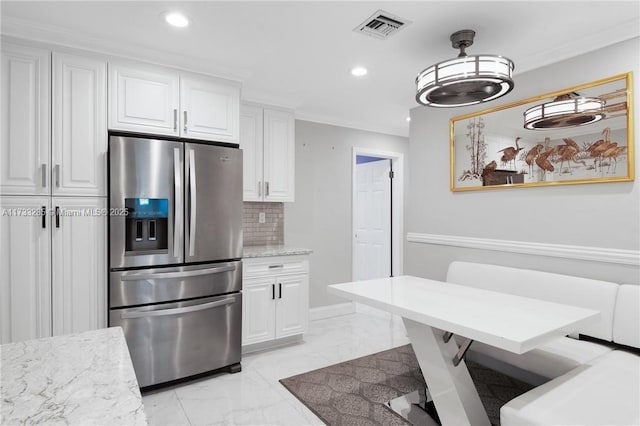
(465, 80)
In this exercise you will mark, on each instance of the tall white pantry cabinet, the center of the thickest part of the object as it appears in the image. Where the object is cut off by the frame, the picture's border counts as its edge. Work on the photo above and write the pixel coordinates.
(53, 220)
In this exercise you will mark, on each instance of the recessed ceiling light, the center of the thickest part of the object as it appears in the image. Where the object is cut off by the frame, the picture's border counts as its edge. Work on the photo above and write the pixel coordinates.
(408, 118)
(359, 71)
(176, 19)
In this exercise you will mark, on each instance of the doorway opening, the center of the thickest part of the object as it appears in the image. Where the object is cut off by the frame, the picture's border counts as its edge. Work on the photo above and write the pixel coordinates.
(377, 201)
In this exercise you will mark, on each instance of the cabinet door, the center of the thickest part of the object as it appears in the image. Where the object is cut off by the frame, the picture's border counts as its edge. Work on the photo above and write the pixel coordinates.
(279, 155)
(25, 123)
(79, 266)
(143, 100)
(251, 144)
(292, 307)
(210, 110)
(258, 310)
(25, 281)
(79, 148)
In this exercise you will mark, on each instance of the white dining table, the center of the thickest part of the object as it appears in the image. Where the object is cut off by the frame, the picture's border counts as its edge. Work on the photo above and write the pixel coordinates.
(433, 311)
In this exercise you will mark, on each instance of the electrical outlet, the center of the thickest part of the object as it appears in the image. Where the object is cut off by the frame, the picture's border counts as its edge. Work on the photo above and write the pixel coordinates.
(262, 218)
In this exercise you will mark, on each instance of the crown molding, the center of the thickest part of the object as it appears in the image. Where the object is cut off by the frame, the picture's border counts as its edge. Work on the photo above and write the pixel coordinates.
(591, 254)
(576, 47)
(54, 35)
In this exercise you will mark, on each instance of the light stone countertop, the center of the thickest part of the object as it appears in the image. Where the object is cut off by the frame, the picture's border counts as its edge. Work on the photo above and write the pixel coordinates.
(273, 250)
(77, 379)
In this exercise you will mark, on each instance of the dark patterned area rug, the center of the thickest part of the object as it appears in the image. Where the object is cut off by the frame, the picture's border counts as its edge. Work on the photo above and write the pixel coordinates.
(356, 392)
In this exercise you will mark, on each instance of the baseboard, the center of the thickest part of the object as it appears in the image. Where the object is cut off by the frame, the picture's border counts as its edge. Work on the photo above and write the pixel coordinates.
(591, 254)
(329, 311)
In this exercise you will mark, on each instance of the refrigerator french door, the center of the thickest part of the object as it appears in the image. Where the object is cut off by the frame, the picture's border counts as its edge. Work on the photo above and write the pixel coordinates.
(175, 251)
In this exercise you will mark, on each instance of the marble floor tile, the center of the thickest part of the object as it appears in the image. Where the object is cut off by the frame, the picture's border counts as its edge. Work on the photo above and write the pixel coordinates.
(254, 396)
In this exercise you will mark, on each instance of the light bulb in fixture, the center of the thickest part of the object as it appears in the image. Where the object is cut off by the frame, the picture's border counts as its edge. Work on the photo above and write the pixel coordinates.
(359, 71)
(176, 19)
(408, 119)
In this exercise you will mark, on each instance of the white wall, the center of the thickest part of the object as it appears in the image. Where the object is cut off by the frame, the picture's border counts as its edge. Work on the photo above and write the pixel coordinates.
(603, 215)
(320, 218)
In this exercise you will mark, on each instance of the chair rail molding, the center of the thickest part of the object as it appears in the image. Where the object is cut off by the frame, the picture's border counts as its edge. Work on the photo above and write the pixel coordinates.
(595, 254)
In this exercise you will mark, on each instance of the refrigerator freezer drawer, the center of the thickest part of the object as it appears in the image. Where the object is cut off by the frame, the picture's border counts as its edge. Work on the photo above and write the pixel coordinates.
(156, 285)
(177, 340)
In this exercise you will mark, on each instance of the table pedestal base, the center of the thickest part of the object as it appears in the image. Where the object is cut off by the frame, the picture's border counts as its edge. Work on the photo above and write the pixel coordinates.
(453, 392)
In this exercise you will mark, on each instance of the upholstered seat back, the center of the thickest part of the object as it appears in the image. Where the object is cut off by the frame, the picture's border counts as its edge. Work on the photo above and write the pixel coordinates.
(570, 290)
(626, 320)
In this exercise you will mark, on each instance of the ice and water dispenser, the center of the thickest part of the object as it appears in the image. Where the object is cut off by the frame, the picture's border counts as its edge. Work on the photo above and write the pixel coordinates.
(147, 225)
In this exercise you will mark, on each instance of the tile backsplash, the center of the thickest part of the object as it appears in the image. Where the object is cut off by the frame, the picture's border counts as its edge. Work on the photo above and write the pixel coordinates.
(270, 232)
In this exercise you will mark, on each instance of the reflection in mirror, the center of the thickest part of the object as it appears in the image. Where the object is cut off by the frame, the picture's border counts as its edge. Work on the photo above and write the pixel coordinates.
(583, 134)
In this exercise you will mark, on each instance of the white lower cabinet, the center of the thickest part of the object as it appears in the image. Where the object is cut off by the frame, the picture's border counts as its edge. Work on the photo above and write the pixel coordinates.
(53, 266)
(275, 298)
(78, 267)
(25, 272)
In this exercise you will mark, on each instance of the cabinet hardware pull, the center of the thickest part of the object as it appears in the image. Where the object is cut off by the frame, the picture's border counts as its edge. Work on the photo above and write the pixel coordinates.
(273, 292)
(279, 290)
(185, 121)
(57, 175)
(57, 216)
(175, 119)
(275, 266)
(266, 194)
(44, 217)
(43, 171)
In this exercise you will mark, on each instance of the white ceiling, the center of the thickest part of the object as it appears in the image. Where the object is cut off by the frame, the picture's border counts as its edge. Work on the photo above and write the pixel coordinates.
(298, 54)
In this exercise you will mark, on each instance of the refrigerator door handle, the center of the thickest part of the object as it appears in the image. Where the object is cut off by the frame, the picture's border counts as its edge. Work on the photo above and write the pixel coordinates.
(183, 274)
(177, 202)
(193, 202)
(177, 311)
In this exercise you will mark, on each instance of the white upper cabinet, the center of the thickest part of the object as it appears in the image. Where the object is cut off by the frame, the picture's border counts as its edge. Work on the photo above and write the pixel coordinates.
(79, 154)
(63, 156)
(209, 109)
(143, 100)
(267, 138)
(25, 123)
(154, 100)
(279, 155)
(251, 143)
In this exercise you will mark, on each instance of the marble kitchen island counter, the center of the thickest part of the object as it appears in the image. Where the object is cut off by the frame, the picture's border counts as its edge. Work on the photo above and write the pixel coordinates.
(78, 379)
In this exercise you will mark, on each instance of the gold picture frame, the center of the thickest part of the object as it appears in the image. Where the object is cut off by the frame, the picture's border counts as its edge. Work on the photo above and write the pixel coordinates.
(492, 149)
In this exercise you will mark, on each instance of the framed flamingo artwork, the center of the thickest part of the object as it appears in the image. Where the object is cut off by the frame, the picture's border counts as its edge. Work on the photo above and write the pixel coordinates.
(583, 134)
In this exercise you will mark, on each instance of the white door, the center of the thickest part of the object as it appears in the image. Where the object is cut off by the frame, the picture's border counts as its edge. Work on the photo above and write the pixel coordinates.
(143, 100)
(25, 279)
(251, 146)
(292, 305)
(258, 310)
(25, 122)
(79, 265)
(372, 221)
(210, 110)
(279, 155)
(79, 149)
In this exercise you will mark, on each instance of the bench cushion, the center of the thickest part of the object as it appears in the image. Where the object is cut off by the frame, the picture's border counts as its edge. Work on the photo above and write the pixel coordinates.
(550, 360)
(570, 290)
(604, 392)
(626, 320)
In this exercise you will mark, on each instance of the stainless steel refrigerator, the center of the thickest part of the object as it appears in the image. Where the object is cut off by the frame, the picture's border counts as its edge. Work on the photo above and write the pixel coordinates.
(175, 248)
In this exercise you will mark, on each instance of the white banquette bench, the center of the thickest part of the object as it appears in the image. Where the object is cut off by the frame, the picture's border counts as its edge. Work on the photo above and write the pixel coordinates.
(581, 382)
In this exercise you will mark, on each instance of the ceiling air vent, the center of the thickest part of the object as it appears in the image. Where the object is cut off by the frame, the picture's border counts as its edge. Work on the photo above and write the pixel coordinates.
(381, 25)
